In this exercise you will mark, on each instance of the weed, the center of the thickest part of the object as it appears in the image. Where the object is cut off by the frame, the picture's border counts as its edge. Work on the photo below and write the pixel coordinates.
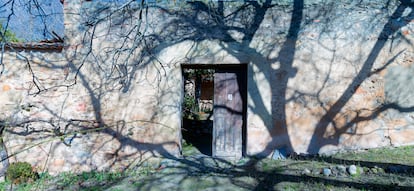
(188, 149)
(21, 172)
(4, 185)
(400, 155)
(272, 165)
(145, 170)
(67, 178)
(278, 175)
(291, 187)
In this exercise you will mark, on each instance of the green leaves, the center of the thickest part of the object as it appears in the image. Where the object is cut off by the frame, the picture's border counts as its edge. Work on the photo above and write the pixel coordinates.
(21, 172)
(7, 35)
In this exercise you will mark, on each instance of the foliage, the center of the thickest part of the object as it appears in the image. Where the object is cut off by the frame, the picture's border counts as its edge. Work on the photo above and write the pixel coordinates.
(190, 103)
(190, 108)
(204, 74)
(7, 35)
(21, 172)
(67, 178)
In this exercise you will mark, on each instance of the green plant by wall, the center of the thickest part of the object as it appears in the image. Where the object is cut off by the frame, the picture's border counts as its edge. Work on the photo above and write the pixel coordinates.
(21, 172)
(190, 108)
(7, 35)
(192, 99)
(202, 74)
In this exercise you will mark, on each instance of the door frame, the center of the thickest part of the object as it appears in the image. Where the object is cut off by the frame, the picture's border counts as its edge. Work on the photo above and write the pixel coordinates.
(243, 68)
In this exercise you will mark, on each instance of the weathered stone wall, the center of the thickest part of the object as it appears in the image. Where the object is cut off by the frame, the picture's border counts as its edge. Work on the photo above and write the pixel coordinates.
(322, 77)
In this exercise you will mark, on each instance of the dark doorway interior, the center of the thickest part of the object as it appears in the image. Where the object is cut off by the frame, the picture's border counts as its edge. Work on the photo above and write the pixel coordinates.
(198, 108)
(200, 105)
(198, 133)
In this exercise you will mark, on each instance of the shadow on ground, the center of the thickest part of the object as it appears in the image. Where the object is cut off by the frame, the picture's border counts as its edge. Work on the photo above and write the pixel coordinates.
(197, 171)
(206, 173)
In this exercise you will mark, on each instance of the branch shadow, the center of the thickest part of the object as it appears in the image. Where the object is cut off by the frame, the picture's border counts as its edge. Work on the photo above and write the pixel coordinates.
(318, 140)
(191, 26)
(395, 168)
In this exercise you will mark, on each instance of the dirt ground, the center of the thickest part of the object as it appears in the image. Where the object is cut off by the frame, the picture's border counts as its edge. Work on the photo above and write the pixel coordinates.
(380, 170)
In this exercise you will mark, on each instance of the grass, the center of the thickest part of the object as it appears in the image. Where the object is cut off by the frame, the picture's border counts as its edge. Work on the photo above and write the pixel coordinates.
(188, 149)
(289, 186)
(263, 174)
(400, 155)
(68, 181)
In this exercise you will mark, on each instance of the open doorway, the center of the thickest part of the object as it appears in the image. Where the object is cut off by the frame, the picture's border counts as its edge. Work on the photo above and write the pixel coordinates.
(197, 110)
(214, 110)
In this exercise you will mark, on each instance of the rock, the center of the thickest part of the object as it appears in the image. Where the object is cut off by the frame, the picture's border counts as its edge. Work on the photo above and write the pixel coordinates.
(352, 170)
(306, 171)
(279, 154)
(327, 172)
(341, 170)
(334, 171)
(316, 171)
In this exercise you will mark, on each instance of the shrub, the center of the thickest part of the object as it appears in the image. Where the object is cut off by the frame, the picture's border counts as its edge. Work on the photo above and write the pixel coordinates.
(190, 108)
(8, 35)
(21, 172)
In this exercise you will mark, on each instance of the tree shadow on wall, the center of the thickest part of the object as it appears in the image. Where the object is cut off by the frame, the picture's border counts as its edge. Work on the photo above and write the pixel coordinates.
(318, 139)
(205, 22)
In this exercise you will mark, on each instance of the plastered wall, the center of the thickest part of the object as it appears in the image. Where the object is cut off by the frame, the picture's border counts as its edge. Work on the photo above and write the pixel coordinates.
(322, 77)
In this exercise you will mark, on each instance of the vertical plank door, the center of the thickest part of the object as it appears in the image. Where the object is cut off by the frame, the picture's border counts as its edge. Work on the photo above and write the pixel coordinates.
(228, 115)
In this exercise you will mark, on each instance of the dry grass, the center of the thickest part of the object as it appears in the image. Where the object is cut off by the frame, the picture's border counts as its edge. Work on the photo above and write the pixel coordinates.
(250, 174)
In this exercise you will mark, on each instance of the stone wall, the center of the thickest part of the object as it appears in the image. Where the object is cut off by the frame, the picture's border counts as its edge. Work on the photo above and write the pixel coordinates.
(322, 77)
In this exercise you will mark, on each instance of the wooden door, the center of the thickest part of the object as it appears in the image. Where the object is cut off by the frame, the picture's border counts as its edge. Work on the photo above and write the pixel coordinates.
(228, 114)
